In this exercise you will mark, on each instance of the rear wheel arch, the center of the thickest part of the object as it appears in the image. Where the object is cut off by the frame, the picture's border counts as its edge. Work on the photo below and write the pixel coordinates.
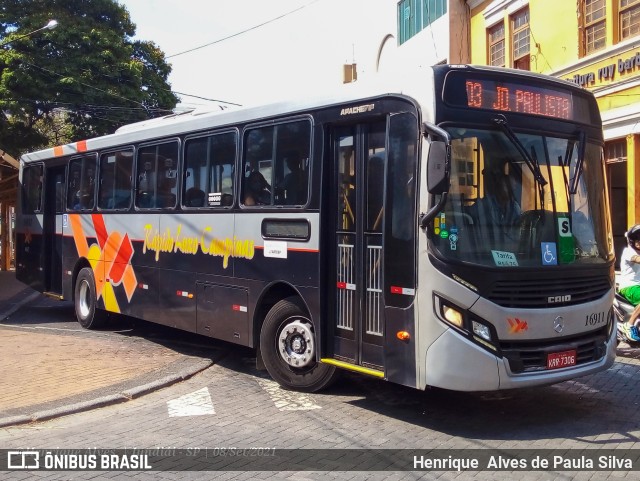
(270, 296)
(81, 264)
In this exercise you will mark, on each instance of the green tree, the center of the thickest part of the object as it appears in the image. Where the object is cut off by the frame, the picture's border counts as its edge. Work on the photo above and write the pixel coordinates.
(89, 67)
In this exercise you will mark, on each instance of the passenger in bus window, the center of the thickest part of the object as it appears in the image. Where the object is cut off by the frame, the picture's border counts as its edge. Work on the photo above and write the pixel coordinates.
(83, 196)
(90, 179)
(74, 190)
(146, 178)
(257, 190)
(89, 189)
(166, 197)
(194, 197)
(293, 188)
(146, 181)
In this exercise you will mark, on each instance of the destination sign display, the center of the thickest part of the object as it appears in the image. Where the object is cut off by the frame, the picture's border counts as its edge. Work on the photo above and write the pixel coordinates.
(515, 96)
(509, 97)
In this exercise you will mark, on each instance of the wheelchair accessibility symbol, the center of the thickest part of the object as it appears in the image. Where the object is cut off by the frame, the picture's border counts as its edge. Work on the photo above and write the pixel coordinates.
(549, 254)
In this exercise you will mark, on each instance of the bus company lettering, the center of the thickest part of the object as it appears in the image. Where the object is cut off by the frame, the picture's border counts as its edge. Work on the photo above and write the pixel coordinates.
(359, 109)
(167, 241)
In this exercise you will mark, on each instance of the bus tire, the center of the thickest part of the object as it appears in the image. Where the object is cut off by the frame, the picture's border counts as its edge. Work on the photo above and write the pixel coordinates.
(288, 347)
(85, 301)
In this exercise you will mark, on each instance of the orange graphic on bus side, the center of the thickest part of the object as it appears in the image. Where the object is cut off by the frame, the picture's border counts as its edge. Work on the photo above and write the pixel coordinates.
(110, 259)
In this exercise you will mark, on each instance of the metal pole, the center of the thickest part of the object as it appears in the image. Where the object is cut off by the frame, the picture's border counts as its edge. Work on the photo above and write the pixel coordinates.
(49, 26)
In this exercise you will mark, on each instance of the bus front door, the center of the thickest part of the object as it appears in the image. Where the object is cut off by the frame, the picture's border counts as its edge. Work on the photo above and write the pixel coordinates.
(357, 205)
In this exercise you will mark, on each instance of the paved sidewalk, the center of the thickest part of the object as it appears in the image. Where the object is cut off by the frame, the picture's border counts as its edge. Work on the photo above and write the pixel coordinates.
(50, 372)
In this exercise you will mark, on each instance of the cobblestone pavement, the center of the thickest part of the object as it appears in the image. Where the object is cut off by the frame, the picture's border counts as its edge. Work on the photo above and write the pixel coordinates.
(232, 405)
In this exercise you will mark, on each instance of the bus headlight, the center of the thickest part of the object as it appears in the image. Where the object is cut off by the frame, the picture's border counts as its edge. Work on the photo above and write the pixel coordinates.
(469, 325)
(452, 315)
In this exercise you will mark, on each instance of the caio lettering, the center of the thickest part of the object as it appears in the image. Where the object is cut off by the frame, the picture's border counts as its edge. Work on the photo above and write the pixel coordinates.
(557, 299)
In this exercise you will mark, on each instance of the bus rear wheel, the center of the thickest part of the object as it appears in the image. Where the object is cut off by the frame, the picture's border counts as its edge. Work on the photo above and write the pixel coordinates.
(288, 347)
(85, 301)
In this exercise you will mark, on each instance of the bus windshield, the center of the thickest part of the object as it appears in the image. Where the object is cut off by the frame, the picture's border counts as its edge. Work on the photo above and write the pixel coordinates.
(510, 202)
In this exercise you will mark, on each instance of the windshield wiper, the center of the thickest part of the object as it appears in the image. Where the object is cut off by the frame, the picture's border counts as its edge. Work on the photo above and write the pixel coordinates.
(582, 144)
(501, 121)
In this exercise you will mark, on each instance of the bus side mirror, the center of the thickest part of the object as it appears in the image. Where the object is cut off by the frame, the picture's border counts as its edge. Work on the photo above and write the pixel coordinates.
(438, 167)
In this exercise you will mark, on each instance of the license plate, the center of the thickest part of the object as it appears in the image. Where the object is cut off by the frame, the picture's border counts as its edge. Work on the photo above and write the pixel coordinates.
(557, 360)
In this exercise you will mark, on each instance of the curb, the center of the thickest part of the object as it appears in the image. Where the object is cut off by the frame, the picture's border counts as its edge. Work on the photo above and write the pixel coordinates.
(109, 400)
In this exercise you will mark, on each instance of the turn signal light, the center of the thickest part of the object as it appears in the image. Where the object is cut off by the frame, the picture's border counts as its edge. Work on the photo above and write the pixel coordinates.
(403, 335)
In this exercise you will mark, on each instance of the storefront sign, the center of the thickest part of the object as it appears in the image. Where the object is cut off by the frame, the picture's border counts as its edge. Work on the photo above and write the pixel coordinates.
(620, 66)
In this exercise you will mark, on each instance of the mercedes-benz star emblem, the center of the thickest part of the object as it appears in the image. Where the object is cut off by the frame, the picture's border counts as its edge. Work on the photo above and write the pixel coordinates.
(558, 324)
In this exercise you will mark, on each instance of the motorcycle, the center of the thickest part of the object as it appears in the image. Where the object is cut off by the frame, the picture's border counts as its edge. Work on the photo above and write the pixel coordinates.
(622, 309)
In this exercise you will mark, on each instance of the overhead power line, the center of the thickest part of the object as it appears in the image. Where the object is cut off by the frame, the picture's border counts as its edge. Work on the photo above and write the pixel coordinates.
(243, 31)
(51, 72)
(205, 98)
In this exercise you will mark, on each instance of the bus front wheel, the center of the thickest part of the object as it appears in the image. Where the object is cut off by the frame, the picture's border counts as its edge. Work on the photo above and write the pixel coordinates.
(85, 301)
(288, 347)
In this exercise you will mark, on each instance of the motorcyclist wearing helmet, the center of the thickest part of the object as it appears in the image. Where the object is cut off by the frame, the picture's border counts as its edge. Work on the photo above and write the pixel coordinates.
(629, 281)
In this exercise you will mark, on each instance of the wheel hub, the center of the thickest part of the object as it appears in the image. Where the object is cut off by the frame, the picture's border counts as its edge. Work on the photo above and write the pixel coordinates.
(296, 344)
(83, 301)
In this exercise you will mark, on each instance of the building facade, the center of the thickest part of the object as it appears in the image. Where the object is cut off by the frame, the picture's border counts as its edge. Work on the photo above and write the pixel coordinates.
(594, 43)
(424, 33)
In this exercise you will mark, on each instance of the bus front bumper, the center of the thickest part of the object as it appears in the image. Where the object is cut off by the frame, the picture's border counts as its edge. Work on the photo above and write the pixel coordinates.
(455, 363)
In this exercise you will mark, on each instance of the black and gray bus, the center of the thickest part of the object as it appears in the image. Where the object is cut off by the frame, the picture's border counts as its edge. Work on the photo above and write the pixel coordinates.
(451, 230)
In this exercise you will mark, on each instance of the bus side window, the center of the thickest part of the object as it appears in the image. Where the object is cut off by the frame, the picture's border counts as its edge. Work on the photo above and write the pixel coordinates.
(157, 176)
(82, 183)
(115, 180)
(277, 164)
(292, 163)
(209, 170)
(258, 167)
(31, 189)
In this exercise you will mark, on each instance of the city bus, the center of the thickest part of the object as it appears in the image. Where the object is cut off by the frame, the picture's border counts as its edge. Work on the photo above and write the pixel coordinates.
(451, 230)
